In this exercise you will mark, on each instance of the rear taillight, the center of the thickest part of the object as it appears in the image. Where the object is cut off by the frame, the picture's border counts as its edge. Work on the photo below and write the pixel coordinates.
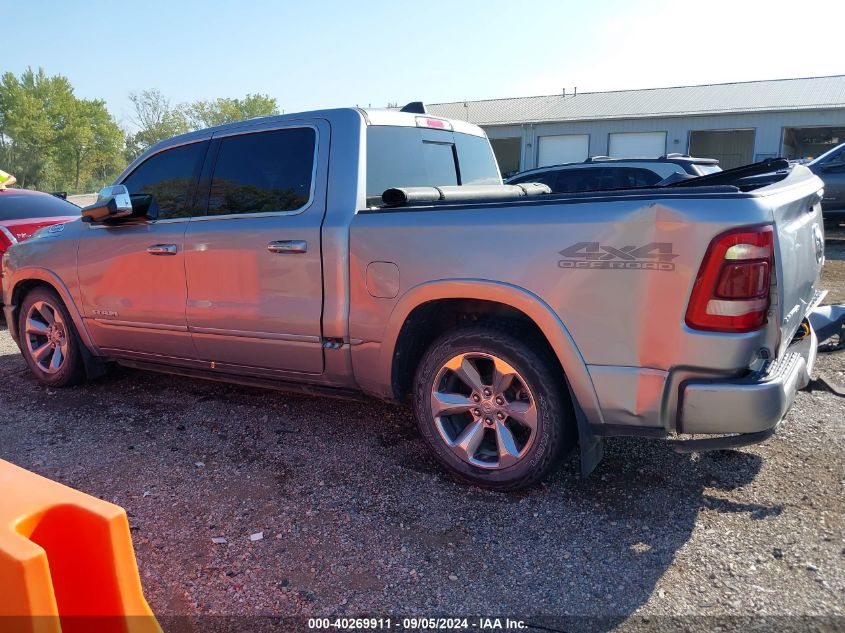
(731, 291)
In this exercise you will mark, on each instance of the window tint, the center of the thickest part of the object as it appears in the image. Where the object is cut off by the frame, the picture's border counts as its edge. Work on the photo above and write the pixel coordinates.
(572, 180)
(477, 161)
(166, 181)
(837, 159)
(263, 172)
(439, 159)
(422, 157)
(18, 206)
(544, 178)
(405, 157)
(630, 177)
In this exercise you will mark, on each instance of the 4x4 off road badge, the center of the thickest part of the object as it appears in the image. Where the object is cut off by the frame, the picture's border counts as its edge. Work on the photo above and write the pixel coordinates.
(593, 255)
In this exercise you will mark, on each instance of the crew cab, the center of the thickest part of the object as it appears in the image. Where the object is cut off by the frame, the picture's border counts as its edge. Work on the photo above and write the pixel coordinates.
(357, 251)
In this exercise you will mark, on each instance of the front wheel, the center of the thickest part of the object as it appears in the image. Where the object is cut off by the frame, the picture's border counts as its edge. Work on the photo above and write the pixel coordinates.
(48, 339)
(493, 407)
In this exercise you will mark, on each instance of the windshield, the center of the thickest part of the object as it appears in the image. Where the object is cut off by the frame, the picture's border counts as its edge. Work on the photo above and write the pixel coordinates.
(422, 157)
(18, 206)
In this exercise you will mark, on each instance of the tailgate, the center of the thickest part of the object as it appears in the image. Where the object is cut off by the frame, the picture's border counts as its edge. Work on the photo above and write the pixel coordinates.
(799, 246)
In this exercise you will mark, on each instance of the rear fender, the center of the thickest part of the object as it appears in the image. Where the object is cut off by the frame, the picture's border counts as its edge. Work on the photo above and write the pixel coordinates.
(581, 385)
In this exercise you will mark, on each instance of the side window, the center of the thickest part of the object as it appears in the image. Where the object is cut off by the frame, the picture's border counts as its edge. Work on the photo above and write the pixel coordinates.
(164, 184)
(581, 179)
(567, 181)
(545, 178)
(631, 178)
(263, 172)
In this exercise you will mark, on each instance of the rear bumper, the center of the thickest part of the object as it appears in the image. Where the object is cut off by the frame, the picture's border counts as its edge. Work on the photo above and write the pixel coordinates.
(751, 405)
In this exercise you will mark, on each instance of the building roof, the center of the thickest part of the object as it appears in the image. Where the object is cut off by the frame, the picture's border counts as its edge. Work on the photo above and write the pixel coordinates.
(810, 93)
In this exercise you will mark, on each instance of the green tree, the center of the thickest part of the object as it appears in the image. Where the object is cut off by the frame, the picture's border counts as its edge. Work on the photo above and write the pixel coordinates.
(50, 139)
(33, 111)
(155, 119)
(89, 145)
(203, 114)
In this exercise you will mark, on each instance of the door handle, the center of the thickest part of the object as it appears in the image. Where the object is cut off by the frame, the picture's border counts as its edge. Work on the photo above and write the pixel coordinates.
(288, 246)
(162, 249)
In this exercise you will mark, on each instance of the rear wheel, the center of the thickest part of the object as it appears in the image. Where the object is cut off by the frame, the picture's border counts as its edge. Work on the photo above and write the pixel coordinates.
(493, 407)
(48, 339)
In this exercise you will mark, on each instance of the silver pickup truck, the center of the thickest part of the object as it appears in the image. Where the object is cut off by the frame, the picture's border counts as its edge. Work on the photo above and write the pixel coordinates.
(359, 251)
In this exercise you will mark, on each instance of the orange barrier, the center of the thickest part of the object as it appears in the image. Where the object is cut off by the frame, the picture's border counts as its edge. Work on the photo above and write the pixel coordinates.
(66, 561)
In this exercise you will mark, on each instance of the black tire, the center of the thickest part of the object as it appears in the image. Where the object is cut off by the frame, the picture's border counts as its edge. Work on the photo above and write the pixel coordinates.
(555, 432)
(72, 369)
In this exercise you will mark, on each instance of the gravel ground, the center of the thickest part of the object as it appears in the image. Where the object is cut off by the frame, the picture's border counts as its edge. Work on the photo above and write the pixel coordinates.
(357, 518)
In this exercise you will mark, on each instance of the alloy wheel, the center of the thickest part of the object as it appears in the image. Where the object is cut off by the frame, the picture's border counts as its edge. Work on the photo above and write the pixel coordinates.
(484, 410)
(46, 337)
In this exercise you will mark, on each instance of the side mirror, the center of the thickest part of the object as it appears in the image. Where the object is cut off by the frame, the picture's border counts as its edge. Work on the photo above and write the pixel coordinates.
(112, 203)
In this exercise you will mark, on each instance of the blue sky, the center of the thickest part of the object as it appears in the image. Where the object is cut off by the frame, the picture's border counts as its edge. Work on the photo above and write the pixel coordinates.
(324, 54)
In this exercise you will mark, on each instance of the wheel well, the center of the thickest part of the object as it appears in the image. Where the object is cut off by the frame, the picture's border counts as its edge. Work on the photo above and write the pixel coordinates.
(19, 292)
(430, 320)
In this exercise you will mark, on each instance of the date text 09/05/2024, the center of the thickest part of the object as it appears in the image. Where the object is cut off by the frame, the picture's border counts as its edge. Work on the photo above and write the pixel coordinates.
(416, 624)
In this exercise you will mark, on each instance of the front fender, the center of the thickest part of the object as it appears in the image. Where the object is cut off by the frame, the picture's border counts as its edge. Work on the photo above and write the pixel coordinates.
(12, 283)
(378, 375)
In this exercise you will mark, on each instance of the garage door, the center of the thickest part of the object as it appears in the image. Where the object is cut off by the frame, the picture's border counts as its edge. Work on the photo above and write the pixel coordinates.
(637, 144)
(732, 148)
(563, 148)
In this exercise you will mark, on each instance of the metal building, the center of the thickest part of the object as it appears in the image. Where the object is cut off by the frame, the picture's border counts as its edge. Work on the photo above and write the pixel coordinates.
(737, 123)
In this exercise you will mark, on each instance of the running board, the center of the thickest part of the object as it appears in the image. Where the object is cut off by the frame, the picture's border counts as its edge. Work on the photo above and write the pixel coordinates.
(246, 381)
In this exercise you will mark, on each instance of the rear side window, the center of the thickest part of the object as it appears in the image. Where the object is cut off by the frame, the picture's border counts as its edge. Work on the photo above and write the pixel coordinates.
(544, 178)
(19, 206)
(837, 159)
(421, 157)
(165, 182)
(631, 178)
(263, 172)
(572, 180)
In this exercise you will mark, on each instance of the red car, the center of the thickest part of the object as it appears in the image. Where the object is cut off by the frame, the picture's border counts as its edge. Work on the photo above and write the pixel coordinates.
(23, 212)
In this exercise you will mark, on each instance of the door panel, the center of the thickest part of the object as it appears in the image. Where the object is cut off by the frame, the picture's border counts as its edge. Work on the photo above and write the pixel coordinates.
(134, 300)
(253, 264)
(834, 187)
(832, 172)
(250, 306)
(132, 275)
